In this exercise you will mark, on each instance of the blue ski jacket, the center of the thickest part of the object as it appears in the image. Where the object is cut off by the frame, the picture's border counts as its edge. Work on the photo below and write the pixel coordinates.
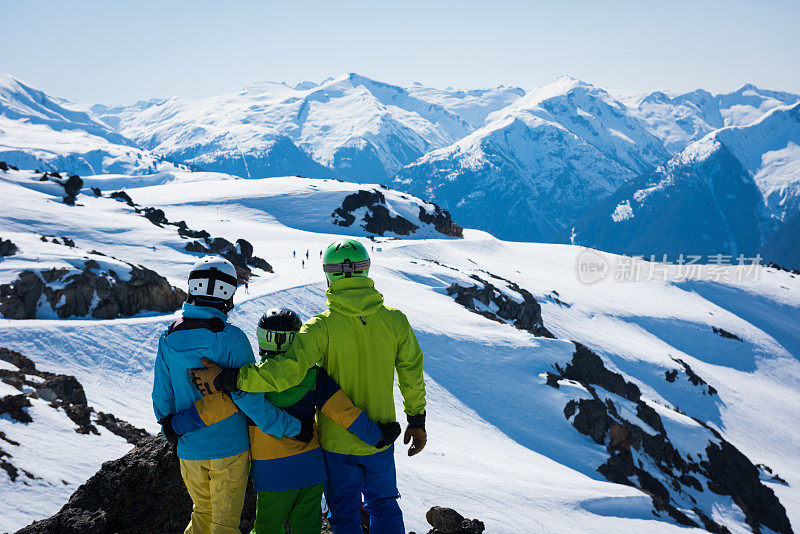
(173, 391)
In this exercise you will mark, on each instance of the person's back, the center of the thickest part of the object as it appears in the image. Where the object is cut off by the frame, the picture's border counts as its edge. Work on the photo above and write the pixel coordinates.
(180, 349)
(367, 343)
(215, 460)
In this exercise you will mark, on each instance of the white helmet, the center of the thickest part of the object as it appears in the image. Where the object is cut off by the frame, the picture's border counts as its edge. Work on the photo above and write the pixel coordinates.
(212, 280)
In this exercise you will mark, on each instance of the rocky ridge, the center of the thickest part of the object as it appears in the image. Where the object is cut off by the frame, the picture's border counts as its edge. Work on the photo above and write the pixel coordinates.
(499, 306)
(378, 220)
(61, 392)
(239, 254)
(684, 484)
(101, 293)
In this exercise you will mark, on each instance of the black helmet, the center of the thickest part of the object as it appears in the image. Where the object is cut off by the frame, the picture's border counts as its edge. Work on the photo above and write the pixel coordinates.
(276, 330)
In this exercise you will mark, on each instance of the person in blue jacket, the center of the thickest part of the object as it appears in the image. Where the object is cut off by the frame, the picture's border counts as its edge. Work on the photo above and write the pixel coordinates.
(214, 460)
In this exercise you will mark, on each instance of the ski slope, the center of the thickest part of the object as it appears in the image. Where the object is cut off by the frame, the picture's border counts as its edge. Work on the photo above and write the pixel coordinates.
(500, 447)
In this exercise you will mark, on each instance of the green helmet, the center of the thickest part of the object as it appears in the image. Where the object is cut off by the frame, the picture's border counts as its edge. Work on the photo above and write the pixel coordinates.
(276, 330)
(345, 258)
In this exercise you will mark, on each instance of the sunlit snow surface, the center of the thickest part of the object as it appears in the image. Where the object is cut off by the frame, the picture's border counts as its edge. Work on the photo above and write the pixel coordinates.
(500, 448)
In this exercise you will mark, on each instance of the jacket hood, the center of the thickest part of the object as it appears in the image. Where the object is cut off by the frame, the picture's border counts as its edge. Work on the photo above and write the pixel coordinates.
(354, 297)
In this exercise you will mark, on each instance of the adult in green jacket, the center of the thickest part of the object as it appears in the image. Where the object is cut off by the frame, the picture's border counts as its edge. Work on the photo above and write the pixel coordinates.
(361, 344)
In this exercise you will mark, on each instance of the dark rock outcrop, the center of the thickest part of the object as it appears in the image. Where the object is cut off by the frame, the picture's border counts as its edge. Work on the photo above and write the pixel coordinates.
(14, 406)
(693, 378)
(104, 294)
(72, 186)
(7, 248)
(377, 219)
(61, 392)
(441, 221)
(448, 521)
(23, 363)
(67, 388)
(155, 216)
(5, 166)
(725, 333)
(587, 367)
(525, 315)
(123, 197)
(672, 476)
(239, 254)
(121, 428)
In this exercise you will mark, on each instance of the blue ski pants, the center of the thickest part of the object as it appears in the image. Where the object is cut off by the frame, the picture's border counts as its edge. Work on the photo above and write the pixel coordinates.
(373, 476)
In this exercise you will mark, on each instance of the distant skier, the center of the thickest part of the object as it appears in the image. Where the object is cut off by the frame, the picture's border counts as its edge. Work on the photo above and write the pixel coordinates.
(294, 253)
(306, 253)
(361, 344)
(214, 461)
(289, 477)
(303, 264)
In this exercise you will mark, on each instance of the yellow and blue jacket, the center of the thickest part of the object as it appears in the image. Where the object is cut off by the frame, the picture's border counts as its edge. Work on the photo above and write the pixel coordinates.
(280, 464)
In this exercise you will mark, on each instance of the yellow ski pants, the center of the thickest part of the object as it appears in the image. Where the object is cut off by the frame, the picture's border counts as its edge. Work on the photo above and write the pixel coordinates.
(217, 490)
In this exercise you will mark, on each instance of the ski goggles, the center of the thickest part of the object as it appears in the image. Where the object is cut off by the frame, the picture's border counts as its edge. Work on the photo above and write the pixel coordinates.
(274, 339)
(346, 267)
(279, 337)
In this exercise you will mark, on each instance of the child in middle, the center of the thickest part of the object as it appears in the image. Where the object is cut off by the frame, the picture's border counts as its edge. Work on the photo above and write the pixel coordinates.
(288, 474)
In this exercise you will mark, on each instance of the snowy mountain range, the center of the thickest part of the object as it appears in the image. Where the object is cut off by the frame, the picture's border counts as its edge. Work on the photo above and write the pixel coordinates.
(356, 127)
(539, 165)
(680, 119)
(565, 143)
(661, 404)
(724, 194)
(39, 132)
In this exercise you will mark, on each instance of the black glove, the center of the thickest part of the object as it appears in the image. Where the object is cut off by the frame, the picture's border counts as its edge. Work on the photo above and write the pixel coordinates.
(389, 433)
(415, 433)
(168, 431)
(306, 431)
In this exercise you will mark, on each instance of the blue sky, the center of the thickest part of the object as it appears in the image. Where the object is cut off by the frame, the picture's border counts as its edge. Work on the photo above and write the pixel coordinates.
(118, 52)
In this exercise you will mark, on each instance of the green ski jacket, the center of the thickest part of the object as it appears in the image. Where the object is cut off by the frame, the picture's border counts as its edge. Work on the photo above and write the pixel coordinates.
(360, 343)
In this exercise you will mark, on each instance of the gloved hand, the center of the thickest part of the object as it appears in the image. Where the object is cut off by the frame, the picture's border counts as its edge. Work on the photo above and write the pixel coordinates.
(389, 433)
(306, 431)
(212, 378)
(415, 433)
(167, 430)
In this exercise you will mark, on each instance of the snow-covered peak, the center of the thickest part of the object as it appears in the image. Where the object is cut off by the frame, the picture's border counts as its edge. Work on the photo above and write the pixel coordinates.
(541, 160)
(473, 105)
(38, 131)
(20, 101)
(591, 114)
(679, 119)
(750, 103)
(362, 128)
